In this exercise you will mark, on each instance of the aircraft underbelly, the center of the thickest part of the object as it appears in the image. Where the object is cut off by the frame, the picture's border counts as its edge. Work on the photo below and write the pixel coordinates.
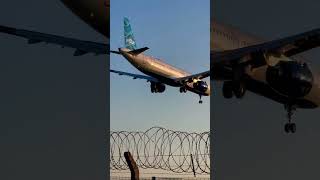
(147, 68)
(162, 73)
(96, 13)
(160, 69)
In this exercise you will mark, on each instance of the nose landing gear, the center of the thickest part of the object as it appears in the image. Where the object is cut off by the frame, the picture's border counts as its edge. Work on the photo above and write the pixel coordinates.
(290, 127)
(200, 101)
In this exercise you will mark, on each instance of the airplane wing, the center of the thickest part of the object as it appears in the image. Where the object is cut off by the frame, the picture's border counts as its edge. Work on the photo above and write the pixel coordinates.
(135, 76)
(288, 46)
(82, 47)
(190, 78)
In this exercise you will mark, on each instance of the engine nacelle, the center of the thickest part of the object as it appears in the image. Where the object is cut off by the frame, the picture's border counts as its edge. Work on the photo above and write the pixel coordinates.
(290, 78)
(201, 86)
(157, 87)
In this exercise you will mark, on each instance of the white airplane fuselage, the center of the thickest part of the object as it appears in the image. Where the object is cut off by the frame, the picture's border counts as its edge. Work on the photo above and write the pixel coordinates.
(225, 37)
(157, 68)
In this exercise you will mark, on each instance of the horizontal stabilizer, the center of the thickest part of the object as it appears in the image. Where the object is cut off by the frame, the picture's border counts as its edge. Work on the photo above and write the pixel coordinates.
(115, 52)
(138, 51)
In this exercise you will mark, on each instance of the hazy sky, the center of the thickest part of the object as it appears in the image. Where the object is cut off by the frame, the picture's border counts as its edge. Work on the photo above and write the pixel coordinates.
(53, 106)
(250, 142)
(178, 33)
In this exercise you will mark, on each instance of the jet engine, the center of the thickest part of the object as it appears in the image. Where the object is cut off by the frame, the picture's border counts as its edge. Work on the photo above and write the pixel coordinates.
(290, 78)
(157, 87)
(201, 86)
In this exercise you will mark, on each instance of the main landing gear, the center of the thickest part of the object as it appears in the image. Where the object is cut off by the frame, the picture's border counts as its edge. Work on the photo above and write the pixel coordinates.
(231, 88)
(290, 127)
(183, 89)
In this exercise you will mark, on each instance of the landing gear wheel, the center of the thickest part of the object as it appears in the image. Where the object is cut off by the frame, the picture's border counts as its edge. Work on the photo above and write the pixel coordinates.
(227, 90)
(152, 87)
(183, 90)
(200, 101)
(293, 127)
(290, 127)
(286, 128)
(238, 89)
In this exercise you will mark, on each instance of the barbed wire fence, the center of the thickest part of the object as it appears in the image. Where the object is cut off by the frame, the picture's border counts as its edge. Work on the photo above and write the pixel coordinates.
(164, 149)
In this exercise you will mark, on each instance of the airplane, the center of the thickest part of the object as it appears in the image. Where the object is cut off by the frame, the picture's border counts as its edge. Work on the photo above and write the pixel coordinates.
(272, 69)
(94, 12)
(159, 73)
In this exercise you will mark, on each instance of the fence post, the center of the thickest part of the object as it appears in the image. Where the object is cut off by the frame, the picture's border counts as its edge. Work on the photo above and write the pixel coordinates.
(193, 169)
(132, 166)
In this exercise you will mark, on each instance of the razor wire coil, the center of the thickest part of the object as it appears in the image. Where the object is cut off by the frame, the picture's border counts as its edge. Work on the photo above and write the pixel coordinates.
(160, 148)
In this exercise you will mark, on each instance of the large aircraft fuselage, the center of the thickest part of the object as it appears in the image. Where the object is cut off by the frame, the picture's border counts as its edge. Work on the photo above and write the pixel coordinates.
(157, 68)
(225, 37)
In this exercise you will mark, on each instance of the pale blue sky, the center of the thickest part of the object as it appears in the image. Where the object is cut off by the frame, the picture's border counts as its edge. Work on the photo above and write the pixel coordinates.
(177, 32)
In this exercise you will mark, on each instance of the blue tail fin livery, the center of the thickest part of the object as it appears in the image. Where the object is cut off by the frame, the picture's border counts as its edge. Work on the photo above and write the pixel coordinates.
(129, 41)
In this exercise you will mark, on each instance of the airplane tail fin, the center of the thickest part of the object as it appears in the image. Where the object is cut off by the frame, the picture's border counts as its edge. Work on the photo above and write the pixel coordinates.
(129, 41)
